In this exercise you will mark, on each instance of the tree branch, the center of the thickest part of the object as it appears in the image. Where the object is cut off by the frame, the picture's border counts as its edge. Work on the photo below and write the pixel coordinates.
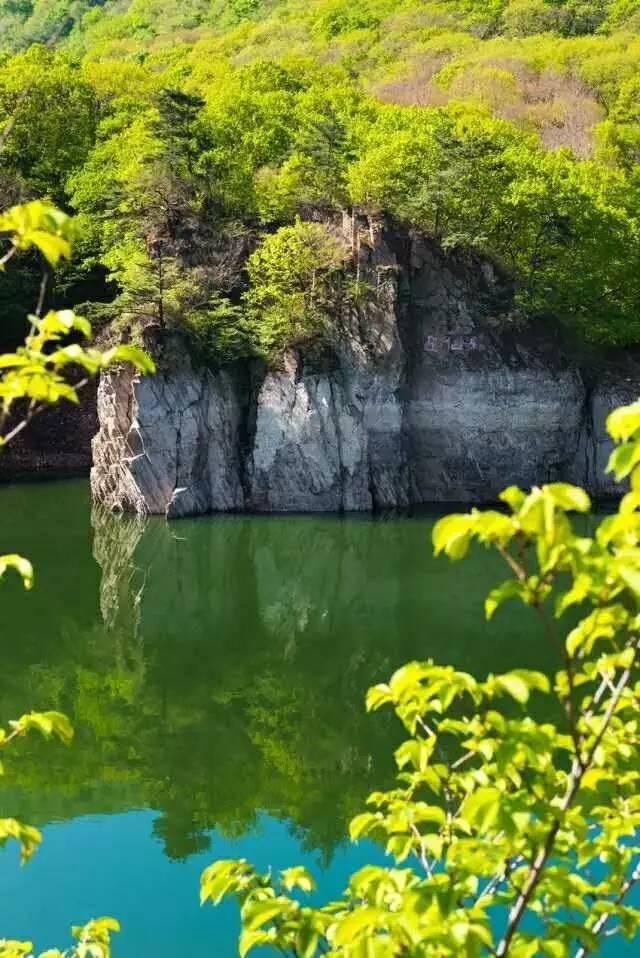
(577, 772)
(599, 926)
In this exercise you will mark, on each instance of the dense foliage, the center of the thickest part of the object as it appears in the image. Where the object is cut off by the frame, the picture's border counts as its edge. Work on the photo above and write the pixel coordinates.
(509, 834)
(34, 377)
(206, 149)
(184, 134)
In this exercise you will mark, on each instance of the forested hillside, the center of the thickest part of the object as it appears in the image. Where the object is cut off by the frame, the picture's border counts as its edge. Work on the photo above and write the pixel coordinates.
(203, 145)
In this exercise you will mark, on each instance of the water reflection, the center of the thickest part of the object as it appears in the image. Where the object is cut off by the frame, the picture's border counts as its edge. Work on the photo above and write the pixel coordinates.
(215, 669)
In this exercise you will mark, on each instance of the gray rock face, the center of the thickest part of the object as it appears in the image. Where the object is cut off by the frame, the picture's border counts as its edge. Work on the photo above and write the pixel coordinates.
(431, 393)
(168, 444)
(298, 454)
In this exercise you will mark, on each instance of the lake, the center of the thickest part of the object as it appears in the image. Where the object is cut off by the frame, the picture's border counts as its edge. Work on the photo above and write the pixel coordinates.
(215, 672)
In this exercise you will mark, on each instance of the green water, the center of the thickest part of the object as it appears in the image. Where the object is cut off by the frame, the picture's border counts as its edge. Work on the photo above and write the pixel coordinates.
(215, 671)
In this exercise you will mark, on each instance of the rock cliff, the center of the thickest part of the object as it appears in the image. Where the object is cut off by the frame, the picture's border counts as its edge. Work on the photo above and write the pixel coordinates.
(430, 391)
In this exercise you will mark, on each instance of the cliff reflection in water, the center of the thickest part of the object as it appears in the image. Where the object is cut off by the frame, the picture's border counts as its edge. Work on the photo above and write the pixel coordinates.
(224, 673)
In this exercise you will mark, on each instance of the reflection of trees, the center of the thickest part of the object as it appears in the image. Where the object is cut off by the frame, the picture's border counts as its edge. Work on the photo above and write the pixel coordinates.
(225, 675)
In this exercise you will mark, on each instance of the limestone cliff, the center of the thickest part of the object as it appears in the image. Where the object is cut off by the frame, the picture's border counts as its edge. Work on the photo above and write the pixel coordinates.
(430, 391)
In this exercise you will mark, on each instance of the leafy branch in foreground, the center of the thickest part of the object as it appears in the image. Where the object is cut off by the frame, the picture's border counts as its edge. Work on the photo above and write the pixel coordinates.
(509, 834)
(36, 374)
(93, 941)
(32, 378)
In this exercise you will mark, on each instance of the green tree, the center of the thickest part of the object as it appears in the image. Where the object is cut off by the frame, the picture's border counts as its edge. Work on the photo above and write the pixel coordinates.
(183, 125)
(47, 115)
(619, 135)
(567, 231)
(511, 835)
(292, 295)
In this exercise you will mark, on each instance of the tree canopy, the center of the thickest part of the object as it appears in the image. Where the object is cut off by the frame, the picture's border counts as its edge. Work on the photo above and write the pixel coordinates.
(185, 135)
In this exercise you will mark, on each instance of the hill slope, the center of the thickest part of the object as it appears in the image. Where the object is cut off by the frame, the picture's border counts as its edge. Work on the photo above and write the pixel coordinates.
(184, 134)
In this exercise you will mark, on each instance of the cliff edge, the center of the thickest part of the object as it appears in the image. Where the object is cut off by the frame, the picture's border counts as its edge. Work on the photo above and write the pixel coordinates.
(430, 390)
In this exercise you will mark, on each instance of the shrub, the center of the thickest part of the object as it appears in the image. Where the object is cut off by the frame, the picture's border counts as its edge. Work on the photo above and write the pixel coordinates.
(292, 294)
(509, 834)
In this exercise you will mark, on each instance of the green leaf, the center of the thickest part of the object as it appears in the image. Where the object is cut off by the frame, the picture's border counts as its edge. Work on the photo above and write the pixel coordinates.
(452, 535)
(22, 566)
(297, 877)
(592, 777)
(493, 527)
(47, 723)
(630, 575)
(553, 949)
(571, 498)
(602, 623)
(307, 941)
(53, 248)
(624, 422)
(624, 459)
(131, 354)
(256, 913)
(513, 497)
(510, 589)
(378, 696)
(535, 681)
(481, 808)
(525, 947)
(226, 876)
(39, 224)
(575, 595)
(10, 948)
(514, 685)
(415, 752)
(363, 824)
(252, 939)
(358, 921)
(27, 837)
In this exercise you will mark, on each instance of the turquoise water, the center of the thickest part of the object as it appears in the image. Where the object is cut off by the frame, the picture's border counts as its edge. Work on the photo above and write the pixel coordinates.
(214, 670)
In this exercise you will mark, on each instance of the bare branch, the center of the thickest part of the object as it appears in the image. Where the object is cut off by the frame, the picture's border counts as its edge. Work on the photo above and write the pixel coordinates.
(44, 284)
(420, 855)
(518, 570)
(8, 255)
